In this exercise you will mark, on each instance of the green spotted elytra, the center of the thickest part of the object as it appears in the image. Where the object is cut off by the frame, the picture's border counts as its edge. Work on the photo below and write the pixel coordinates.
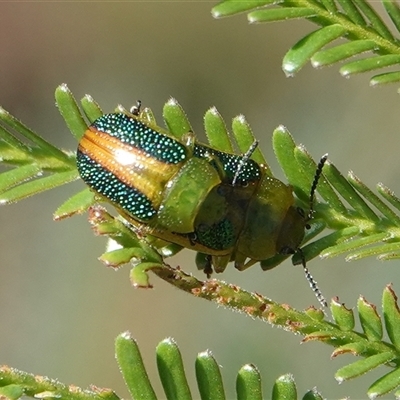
(222, 205)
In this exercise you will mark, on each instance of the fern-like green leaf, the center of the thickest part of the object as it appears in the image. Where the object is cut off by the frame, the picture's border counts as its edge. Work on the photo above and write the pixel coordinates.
(171, 370)
(248, 383)
(388, 77)
(393, 11)
(304, 49)
(363, 366)
(213, 123)
(245, 138)
(34, 164)
(340, 335)
(372, 326)
(280, 14)
(132, 368)
(15, 384)
(374, 21)
(354, 20)
(370, 64)
(386, 384)
(232, 7)
(209, 378)
(341, 52)
(370, 321)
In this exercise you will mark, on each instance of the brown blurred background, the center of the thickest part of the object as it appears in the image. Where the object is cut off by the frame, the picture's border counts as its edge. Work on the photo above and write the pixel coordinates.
(60, 308)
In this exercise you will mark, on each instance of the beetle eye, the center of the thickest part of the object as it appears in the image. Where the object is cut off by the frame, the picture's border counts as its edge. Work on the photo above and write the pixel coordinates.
(300, 211)
(192, 238)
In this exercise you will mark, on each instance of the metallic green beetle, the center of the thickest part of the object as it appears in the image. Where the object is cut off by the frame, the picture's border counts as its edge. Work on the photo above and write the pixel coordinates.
(220, 204)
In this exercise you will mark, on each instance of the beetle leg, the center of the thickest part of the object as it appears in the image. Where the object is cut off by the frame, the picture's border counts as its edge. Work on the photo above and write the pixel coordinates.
(204, 262)
(241, 264)
(220, 262)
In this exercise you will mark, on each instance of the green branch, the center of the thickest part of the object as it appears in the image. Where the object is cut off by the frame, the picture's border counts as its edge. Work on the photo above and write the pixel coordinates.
(353, 20)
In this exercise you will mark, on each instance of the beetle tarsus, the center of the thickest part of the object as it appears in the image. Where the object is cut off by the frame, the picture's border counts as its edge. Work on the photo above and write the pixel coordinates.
(208, 269)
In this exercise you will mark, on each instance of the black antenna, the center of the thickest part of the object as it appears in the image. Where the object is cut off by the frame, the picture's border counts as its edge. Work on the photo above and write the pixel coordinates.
(313, 283)
(310, 279)
(246, 156)
(317, 175)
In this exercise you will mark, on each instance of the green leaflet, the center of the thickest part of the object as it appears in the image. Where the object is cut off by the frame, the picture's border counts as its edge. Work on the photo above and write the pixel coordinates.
(305, 48)
(341, 52)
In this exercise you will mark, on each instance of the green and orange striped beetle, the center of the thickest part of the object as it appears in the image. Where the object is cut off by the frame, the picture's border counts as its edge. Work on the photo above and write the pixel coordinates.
(225, 206)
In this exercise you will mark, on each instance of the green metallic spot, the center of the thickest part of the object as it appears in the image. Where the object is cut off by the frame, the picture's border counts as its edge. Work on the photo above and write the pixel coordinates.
(219, 236)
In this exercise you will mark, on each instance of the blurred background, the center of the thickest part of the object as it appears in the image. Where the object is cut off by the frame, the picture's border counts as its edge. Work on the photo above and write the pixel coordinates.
(60, 307)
